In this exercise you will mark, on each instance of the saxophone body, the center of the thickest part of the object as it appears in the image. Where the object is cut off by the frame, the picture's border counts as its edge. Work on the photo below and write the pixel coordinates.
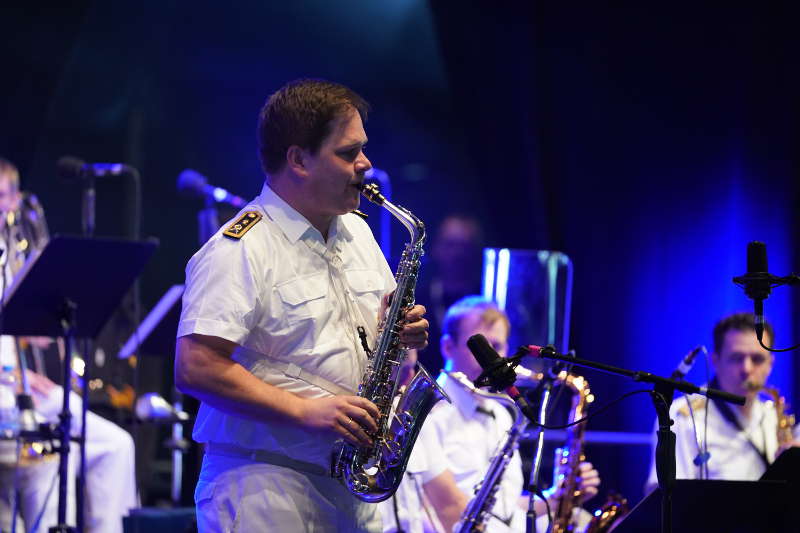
(785, 420)
(474, 517)
(570, 457)
(372, 474)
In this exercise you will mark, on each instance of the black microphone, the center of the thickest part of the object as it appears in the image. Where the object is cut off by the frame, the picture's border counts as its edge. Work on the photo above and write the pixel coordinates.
(72, 168)
(687, 363)
(498, 371)
(759, 287)
(191, 181)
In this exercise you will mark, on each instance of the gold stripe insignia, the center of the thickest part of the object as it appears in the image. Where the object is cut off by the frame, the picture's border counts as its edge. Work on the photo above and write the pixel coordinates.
(360, 213)
(242, 224)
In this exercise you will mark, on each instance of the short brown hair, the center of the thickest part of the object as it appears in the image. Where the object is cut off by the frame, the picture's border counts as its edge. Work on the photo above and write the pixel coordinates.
(738, 322)
(488, 311)
(300, 113)
(9, 171)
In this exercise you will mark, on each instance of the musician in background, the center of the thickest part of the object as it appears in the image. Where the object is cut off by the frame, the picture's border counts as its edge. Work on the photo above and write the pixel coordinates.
(460, 439)
(453, 272)
(739, 441)
(110, 476)
(278, 308)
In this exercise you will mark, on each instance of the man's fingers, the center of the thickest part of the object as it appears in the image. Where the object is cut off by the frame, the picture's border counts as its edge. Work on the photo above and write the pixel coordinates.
(415, 313)
(366, 405)
(363, 418)
(354, 433)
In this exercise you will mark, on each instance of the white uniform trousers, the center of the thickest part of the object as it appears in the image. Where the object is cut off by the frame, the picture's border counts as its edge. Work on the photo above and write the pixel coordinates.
(235, 494)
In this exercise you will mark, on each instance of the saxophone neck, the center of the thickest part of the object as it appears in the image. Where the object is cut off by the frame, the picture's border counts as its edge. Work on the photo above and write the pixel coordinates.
(412, 223)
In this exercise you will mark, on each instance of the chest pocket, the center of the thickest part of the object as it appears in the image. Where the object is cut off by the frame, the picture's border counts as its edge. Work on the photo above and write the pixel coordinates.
(367, 286)
(303, 298)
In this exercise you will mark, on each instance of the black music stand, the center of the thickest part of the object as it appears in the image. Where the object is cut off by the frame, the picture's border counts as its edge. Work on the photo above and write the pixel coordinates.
(716, 506)
(785, 468)
(69, 289)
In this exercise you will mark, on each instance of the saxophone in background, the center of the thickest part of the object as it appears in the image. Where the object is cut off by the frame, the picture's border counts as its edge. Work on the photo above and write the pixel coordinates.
(785, 420)
(569, 459)
(475, 515)
(372, 474)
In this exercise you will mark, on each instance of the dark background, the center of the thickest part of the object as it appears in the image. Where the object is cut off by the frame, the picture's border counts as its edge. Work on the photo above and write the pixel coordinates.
(649, 143)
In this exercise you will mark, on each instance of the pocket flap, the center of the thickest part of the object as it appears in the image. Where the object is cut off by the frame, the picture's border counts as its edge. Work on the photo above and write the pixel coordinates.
(301, 290)
(364, 280)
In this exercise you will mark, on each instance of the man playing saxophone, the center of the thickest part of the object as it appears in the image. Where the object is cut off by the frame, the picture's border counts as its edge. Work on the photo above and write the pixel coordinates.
(736, 442)
(279, 307)
(459, 440)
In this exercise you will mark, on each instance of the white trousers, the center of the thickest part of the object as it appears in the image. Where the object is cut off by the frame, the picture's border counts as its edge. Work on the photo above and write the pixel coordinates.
(110, 476)
(237, 495)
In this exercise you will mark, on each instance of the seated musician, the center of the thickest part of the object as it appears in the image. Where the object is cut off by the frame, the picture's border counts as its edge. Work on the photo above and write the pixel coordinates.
(719, 440)
(458, 441)
(32, 484)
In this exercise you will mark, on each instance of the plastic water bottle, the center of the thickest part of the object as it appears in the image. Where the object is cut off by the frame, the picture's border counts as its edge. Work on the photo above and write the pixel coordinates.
(9, 415)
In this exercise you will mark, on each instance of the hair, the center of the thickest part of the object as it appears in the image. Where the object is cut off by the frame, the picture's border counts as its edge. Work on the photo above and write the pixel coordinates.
(9, 171)
(300, 113)
(487, 310)
(737, 322)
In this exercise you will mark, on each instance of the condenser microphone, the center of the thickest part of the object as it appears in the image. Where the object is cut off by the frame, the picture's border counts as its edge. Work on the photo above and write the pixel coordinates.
(759, 285)
(687, 363)
(498, 372)
(71, 168)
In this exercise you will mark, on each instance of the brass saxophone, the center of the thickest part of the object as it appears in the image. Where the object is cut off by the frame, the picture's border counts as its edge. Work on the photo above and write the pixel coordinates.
(477, 511)
(570, 458)
(785, 420)
(372, 474)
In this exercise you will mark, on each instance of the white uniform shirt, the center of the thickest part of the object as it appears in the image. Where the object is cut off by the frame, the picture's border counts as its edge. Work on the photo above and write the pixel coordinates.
(733, 454)
(414, 512)
(470, 439)
(292, 302)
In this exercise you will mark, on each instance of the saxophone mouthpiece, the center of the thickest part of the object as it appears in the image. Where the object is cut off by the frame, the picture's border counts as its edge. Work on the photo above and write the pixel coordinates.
(372, 193)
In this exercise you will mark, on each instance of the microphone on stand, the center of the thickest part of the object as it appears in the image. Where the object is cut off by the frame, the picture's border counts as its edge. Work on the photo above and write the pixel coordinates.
(498, 372)
(191, 181)
(72, 168)
(687, 363)
(758, 284)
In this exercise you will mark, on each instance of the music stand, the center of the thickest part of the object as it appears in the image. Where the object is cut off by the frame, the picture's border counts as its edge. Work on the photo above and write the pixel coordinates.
(785, 468)
(715, 506)
(156, 336)
(69, 289)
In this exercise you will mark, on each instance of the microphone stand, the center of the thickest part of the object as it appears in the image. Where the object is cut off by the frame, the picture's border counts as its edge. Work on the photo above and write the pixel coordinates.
(533, 482)
(663, 391)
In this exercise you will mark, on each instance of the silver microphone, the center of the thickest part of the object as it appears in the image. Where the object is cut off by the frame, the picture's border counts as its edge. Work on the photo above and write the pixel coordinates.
(687, 363)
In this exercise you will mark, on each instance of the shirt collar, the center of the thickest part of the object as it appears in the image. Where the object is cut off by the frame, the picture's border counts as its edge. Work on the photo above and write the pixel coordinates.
(464, 400)
(293, 224)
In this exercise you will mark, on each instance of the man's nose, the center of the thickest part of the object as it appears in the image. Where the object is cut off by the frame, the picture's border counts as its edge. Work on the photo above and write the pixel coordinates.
(363, 163)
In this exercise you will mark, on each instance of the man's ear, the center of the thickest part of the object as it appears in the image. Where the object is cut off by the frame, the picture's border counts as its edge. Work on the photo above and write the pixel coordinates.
(296, 159)
(446, 345)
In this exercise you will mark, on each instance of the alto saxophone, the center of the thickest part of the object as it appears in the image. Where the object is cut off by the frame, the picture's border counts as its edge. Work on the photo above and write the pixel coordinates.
(480, 506)
(570, 458)
(785, 420)
(372, 474)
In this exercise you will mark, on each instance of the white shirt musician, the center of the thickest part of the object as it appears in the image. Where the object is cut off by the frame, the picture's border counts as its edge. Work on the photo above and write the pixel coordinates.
(718, 440)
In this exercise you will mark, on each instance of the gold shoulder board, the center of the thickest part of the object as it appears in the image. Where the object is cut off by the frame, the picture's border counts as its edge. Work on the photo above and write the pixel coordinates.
(242, 224)
(360, 213)
(697, 404)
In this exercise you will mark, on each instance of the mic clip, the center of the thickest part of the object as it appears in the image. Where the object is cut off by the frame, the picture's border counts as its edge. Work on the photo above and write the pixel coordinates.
(500, 375)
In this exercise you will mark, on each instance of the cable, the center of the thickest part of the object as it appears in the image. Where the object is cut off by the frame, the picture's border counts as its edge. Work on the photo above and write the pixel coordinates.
(594, 413)
(549, 512)
(796, 346)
